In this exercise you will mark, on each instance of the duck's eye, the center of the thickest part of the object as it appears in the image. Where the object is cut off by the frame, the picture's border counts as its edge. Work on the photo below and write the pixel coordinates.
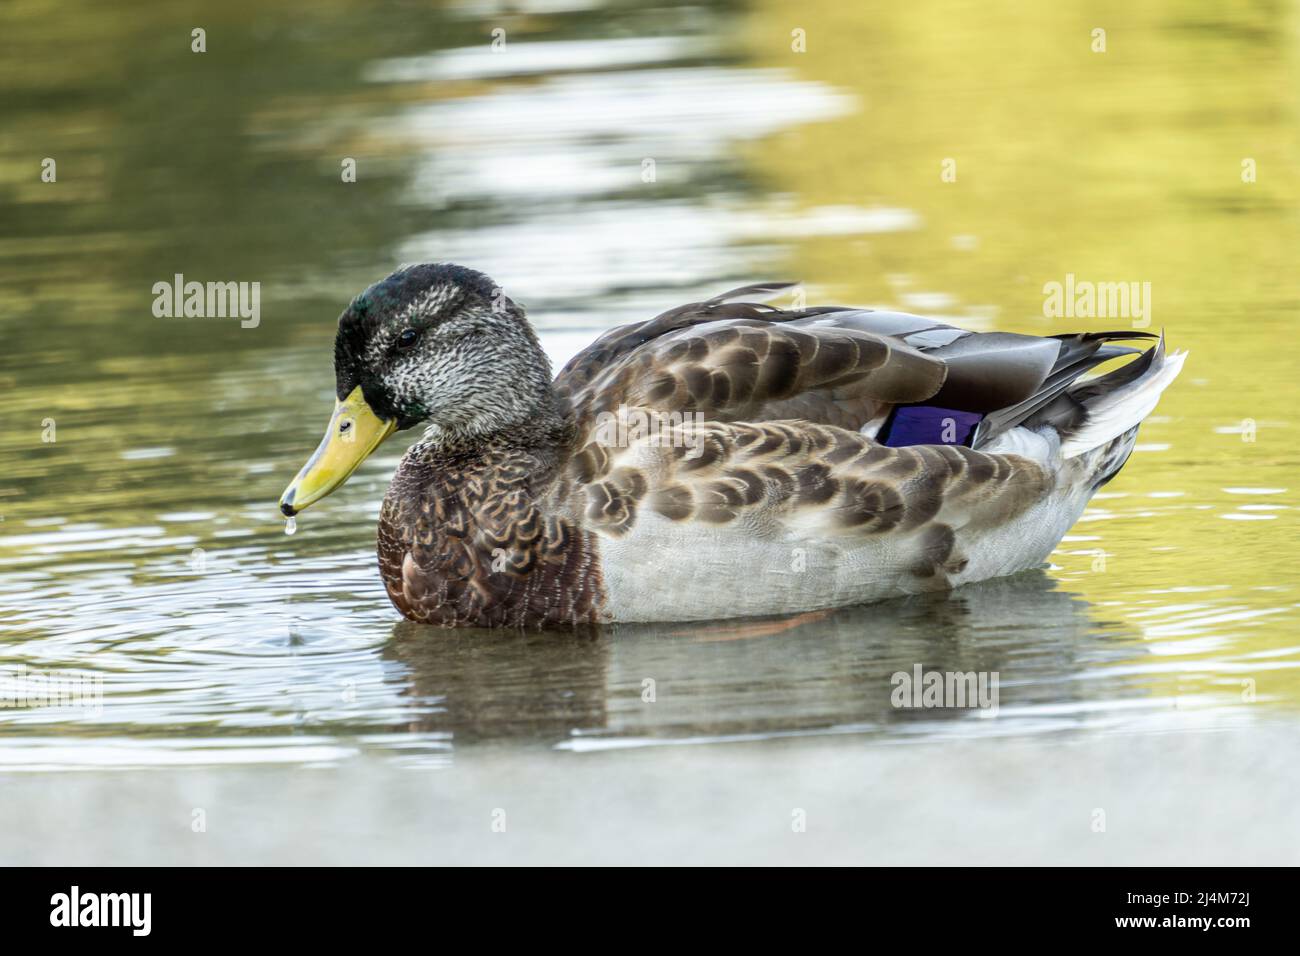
(407, 338)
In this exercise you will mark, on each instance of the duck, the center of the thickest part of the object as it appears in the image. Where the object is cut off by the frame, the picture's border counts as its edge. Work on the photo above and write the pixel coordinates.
(725, 459)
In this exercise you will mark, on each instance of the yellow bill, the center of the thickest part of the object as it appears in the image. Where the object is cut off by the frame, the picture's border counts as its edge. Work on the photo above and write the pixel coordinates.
(354, 432)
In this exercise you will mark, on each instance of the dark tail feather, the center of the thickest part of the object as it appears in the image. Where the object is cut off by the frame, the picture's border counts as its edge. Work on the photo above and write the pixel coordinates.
(1053, 402)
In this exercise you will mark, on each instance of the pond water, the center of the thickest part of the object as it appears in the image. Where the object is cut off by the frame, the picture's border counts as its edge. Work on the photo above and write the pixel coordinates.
(607, 163)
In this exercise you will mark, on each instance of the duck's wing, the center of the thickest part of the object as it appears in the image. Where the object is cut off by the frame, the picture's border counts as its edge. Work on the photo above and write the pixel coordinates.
(730, 360)
(614, 345)
(727, 359)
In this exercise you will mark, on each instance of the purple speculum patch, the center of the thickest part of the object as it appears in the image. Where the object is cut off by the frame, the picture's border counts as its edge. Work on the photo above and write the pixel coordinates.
(928, 425)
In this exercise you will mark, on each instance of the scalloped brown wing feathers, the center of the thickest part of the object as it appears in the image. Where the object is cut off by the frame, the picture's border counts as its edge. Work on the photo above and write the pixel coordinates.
(740, 361)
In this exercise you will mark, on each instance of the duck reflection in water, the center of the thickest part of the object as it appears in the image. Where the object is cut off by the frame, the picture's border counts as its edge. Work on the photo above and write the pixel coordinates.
(770, 677)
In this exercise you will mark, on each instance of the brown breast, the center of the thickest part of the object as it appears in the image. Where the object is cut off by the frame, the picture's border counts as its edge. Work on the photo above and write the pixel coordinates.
(480, 540)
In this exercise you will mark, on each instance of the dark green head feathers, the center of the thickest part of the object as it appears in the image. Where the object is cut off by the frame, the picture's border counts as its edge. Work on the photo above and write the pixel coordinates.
(442, 344)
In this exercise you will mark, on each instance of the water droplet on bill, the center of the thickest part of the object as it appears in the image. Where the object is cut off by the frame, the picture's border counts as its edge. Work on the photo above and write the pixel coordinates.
(290, 525)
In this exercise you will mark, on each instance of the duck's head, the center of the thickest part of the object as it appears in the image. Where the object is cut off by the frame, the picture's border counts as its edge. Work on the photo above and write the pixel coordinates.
(437, 344)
